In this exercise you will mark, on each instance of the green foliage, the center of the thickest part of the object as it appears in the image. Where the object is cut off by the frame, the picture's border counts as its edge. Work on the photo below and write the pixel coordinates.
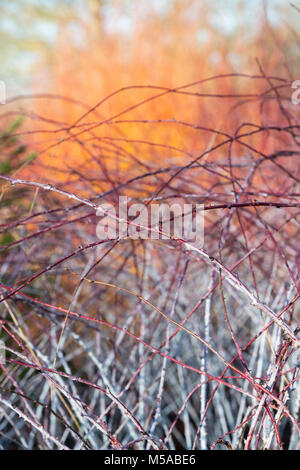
(6, 239)
(12, 151)
(5, 167)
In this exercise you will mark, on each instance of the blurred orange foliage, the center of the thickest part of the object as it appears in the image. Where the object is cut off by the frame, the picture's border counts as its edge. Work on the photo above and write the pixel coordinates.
(147, 122)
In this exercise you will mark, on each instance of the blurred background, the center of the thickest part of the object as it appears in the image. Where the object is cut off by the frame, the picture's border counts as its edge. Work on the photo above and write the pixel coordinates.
(155, 100)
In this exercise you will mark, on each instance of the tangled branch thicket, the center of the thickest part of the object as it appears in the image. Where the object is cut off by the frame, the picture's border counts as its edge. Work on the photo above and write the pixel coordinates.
(148, 344)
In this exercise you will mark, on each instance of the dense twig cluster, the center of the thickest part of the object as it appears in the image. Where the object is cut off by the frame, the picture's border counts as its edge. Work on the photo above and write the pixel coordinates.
(153, 343)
